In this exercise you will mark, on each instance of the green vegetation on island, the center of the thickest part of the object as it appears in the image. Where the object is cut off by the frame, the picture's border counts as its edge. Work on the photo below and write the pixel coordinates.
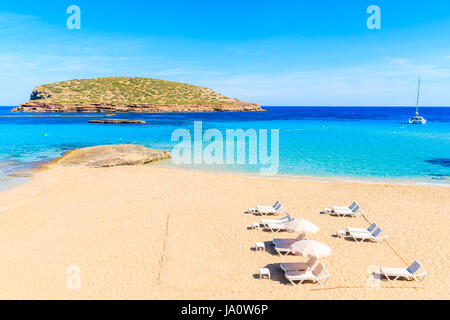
(129, 94)
(128, 90)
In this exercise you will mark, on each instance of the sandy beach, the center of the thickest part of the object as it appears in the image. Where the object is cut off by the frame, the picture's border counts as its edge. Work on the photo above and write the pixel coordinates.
(148, 232)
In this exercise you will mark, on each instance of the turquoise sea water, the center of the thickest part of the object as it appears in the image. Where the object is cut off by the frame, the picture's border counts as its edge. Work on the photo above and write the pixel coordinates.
(347, 142)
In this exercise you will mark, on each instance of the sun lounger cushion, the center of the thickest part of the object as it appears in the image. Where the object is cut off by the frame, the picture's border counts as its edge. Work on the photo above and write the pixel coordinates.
(294, 266)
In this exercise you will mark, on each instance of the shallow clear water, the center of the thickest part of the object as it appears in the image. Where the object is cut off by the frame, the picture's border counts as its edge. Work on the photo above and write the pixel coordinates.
(350, 142)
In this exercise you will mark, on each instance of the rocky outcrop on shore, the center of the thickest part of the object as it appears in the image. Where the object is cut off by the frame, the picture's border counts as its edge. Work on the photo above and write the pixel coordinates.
(38, 106)
(109, 156)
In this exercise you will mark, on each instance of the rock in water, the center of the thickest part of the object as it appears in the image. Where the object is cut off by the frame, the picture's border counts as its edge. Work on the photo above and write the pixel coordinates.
(109, 156)
(116, 121)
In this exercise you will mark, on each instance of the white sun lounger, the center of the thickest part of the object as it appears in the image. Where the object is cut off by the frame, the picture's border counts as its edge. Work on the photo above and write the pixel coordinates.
(266, 207)
(265, 222)
(318, 274)
(276, 209)
(368, 230)
(375, 236)
(334, 208)
(257, 209)
(299, 266)
(284, 242)
(355, 211)
(414, 272)
(276, 227)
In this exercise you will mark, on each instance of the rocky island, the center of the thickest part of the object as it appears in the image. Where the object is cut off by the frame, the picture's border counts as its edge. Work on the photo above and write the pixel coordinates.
(129, 94)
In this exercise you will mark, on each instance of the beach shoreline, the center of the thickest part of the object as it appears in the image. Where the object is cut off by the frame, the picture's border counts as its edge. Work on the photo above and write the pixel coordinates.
(362, 180)
(37, 167)
(114, 223)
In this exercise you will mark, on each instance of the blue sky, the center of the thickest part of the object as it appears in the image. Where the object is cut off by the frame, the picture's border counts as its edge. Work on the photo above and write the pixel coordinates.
(301, 52)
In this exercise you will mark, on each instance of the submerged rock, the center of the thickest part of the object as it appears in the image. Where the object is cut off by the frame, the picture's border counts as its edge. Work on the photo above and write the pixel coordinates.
(109, 156)
(116, 121)
(440, 161)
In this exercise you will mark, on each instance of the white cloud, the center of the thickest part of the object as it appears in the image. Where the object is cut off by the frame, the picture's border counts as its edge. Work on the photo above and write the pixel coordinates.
(387, 83)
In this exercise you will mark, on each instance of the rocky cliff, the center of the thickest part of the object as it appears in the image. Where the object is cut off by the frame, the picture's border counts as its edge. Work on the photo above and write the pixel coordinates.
(42, 106)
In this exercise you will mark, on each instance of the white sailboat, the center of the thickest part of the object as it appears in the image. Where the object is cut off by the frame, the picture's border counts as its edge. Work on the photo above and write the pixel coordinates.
(417, 119)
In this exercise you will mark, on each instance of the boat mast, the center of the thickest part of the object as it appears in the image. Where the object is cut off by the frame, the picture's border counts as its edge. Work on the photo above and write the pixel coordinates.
(417, 103)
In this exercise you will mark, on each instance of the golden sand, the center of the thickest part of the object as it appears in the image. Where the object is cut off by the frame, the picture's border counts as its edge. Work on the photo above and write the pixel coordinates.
(148, 232)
